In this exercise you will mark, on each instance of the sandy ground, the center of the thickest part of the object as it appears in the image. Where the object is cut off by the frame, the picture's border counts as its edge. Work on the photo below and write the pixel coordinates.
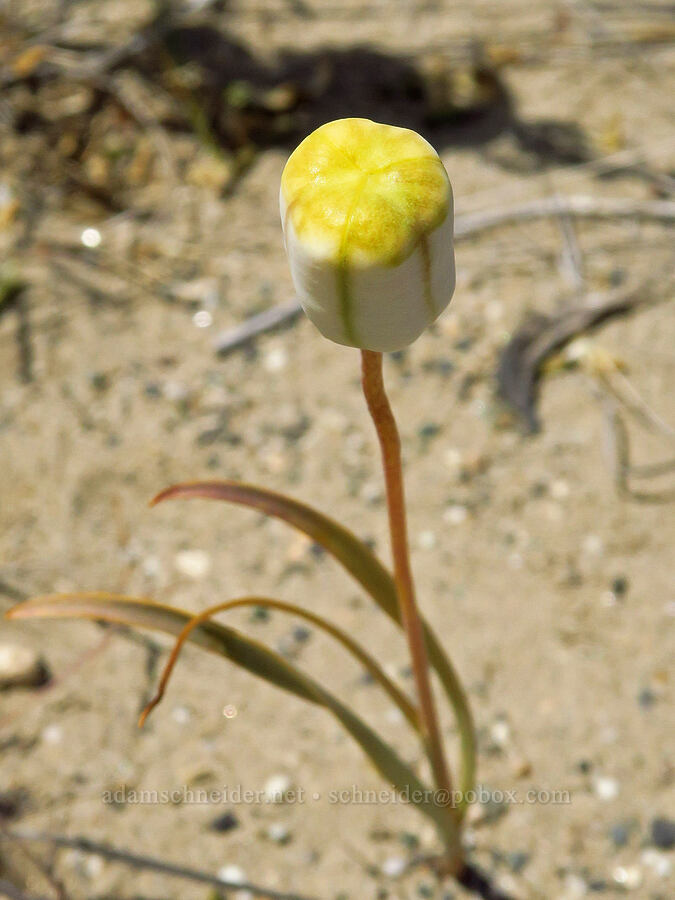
(553, 594)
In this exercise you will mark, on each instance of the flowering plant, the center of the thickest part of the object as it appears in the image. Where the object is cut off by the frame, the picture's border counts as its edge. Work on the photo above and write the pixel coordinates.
(367, 217)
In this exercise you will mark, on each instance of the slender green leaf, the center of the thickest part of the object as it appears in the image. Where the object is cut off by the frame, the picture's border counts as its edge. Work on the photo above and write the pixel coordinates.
(364, 566)
(366, 660)
(252, 656)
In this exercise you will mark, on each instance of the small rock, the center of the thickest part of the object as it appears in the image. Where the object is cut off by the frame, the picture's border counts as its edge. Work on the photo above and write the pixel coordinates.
(235, 875)
(619, 585)
(517, 861)
(181, 715)
(11, 803)
(620, 833)
(500, 733)
(278, 833)
(560, 490)
(52, 734)
(275, 360)
(629, 877)
(224, 823)
(276, 788)
(646, 698)
(193, 564)
(301, 634)
(394, 867)
(426, 540)
(662, 833)
(606, 788)
(658, 862)
(455, 515)
(574, 887)
(21, 667)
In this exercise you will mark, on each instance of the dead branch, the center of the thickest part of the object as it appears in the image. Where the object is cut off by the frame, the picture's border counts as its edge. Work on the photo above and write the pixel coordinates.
(147, 863)
(577, 206)
(521, 360)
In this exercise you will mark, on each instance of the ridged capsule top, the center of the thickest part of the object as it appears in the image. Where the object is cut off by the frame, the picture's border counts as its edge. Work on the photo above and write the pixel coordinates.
(360, 193)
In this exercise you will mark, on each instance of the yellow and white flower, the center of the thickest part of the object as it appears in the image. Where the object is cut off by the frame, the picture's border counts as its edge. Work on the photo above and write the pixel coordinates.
(368, 225)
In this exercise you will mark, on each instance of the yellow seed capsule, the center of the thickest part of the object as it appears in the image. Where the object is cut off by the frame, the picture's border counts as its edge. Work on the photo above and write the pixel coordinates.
(368, 226)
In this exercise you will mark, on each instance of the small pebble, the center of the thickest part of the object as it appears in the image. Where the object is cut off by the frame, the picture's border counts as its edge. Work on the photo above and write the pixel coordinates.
(202, 318)
(91, 238)
(426, 540)
(560, 490)
(276, 788)
(301, 634)
(193, 564)
(606, 788)
(658, 862)
(394, 867)
(181, 715)
(235, 875)
(620, 833)
(619, 585)
(592, 545)
(662, 833)
(21, 667)
(500, 733)
(455, 515)
(278, 833)
(574, 887)
(275, 360)
(629, 877)
(52, 734)
(517, 861)
(224, 823)
(646, 698)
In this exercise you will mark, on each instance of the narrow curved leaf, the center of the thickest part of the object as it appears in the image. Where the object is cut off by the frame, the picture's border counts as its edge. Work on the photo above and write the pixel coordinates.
(255, 658)
(367, 661)
(364, 567)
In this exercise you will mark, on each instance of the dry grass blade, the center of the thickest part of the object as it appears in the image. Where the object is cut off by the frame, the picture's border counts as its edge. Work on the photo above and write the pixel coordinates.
(363, 565)
(255, 658)
(366, 660)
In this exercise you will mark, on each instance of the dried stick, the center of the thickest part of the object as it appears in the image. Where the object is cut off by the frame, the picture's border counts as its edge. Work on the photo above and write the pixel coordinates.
(146, 862)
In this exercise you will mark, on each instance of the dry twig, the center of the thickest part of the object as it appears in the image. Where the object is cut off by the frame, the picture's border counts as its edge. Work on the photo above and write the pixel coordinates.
(147, 863)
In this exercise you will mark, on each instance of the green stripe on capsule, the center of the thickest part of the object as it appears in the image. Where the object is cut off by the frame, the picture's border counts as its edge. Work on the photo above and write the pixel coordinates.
(425, 253)
(346, 304)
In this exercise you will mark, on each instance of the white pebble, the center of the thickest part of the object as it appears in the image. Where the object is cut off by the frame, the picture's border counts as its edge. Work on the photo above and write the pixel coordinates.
(91, 237)
(426, 540)
(276, 788)
(20, 667)
(606, 788)
(500, 732)
(202, 318)
(275, 360)
(592, 545)
(455, 515)
(278, 833)
(658, 862)
(235, 875)
(629, 877)
(52, 734)
(193, 564)
(181, 715)
(575, 887)
(394, 866)
(560, 490)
